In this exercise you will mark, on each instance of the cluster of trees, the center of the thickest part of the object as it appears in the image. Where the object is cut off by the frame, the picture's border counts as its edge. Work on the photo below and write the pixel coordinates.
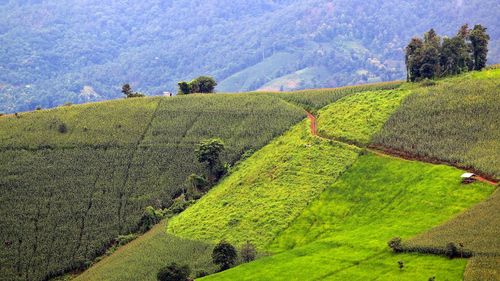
(202, 84)
(433, 56)
(224, 255)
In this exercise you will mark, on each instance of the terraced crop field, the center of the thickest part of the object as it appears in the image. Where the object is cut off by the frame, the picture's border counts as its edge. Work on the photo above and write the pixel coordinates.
(456, 121)
(76, 189)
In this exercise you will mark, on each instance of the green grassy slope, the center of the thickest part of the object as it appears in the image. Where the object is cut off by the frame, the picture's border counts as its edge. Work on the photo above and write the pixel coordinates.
(76, 191)
(354, 119)
(267, 191)
(343, 234)
(142, 258)
(455, 121)
(478, 230)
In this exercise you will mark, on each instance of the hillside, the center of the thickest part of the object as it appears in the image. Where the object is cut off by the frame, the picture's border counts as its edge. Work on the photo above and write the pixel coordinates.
(53, 52)
(76, 189)
(323, 218)
(317, 207)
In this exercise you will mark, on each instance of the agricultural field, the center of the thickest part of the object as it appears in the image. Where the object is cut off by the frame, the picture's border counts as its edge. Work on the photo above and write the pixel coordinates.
(142, 258)
(343, 235)
(313, 100)
(456, 121)
(354, 119)
(267, 191)
(478, 230)
(75, 190)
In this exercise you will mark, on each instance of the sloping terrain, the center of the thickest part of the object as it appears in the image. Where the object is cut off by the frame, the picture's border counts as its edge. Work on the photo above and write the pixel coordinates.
(74, 178)
(356, 118)
(143, 257)
(455, 121)
(343, 235)
(266, 192)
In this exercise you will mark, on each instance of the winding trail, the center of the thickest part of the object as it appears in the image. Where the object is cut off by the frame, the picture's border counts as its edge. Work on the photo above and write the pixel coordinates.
(314, 132)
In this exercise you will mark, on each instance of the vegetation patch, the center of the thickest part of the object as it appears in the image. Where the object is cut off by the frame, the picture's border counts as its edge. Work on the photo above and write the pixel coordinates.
(77, 191)
(142, 258)
(313, 100)
(343, 235)
(455, 121)
(267, 191)
(355, 118)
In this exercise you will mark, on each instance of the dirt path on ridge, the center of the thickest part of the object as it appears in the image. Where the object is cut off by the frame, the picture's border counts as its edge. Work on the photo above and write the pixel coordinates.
(312, 118)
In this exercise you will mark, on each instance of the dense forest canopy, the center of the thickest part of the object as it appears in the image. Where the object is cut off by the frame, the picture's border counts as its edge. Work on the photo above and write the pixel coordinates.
(52, 52)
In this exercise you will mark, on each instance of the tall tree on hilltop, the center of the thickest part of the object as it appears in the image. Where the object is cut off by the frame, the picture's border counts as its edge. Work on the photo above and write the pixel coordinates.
(479, 43)
(413, 59)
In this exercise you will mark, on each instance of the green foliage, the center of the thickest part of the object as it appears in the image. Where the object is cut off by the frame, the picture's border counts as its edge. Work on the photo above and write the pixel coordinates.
(202, 84)
(93, 183)
(395, 244)
(142, 258)
(174, 272)
(127, 91)
(224, 255)
(455, 121)
(355, 118)
(479, 42)
(433, 57)
(149, 218)
(343, 235)
(87, 49)
(208, 152)
(264, 194)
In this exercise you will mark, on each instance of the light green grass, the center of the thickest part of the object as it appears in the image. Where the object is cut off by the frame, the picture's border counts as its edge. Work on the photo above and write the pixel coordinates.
(356, 118)
(266, 192)
(142, 258)
(343, 235)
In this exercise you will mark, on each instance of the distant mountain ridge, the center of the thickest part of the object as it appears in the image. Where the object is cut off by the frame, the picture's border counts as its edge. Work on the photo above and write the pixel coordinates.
(52, 52)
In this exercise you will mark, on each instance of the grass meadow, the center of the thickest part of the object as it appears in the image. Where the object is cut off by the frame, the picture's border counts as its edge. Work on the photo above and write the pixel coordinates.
(267, 191)
(355, 118)
(343, 234)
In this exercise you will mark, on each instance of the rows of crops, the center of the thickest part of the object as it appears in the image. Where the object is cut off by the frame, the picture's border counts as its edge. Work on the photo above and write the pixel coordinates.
(142, 258)
(455, 121)
(267, 191)
(313, 100)
(343, 235)
(66, 194)
(355, 118)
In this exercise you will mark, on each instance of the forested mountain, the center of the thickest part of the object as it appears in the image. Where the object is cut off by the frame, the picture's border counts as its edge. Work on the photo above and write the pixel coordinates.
(58, 51)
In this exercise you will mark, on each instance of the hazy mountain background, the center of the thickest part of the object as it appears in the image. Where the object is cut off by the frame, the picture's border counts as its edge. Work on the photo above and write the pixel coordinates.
(58, 51)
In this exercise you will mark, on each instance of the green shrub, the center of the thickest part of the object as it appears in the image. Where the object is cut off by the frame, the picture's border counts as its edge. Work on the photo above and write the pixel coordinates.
(248, 252)
(62, 128)
(224, 255)
(395, 245)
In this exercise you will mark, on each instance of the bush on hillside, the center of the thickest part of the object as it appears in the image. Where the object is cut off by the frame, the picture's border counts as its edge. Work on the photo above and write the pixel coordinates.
(395, 245)
(224, 255)
(62, 128)
(451, 250)
(248, 252)
(174, 272)
(149, 218)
